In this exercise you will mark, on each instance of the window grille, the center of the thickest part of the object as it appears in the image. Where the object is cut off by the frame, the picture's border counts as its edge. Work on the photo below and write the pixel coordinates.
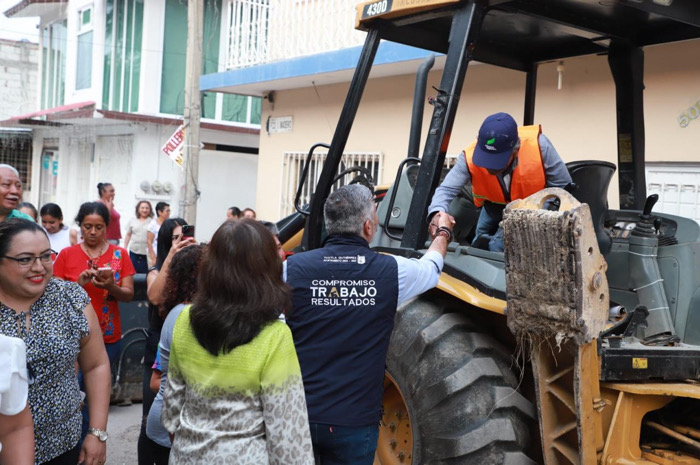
(264, 31)
(293, 168)
(16, 150)
(248, 32)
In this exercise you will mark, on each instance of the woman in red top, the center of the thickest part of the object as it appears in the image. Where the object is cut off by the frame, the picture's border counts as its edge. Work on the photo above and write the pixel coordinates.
(114, 229)
(103, 269)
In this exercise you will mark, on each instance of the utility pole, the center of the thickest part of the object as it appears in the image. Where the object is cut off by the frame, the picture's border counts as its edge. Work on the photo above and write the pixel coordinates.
(193, 109)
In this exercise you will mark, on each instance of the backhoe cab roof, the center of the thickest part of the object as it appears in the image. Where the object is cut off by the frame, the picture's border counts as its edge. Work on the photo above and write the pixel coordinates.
(517, 34)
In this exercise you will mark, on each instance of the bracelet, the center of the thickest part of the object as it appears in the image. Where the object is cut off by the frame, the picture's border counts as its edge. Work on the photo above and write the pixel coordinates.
(444, 231)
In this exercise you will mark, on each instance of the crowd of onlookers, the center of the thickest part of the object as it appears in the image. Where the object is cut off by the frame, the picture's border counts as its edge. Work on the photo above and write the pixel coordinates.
(252, 356)
(60, 325)
(256, 357)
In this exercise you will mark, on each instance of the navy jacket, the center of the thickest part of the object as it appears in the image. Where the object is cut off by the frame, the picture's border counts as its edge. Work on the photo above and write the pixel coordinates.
(344, 302)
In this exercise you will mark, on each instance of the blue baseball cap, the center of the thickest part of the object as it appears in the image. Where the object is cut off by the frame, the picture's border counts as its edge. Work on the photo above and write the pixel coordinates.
(498, 136)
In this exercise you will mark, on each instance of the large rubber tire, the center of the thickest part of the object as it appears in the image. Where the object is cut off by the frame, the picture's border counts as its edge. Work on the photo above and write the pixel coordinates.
(459, 386)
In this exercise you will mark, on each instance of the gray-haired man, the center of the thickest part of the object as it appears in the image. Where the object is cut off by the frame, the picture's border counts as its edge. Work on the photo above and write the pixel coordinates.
(10, 193)
(344, 300)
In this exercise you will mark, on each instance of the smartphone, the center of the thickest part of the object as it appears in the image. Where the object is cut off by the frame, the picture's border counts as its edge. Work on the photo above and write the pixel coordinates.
(104, 270)
(187, 230)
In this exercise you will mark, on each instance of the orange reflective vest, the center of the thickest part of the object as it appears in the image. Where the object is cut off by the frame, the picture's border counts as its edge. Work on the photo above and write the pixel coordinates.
(527, 178)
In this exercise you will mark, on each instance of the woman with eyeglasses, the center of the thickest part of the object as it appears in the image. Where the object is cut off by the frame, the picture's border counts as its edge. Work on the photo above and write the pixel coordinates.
(55, 320)
(170, 241)
(104, 270)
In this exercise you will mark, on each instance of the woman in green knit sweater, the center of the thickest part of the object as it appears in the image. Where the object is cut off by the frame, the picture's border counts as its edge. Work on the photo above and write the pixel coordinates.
(234, 392)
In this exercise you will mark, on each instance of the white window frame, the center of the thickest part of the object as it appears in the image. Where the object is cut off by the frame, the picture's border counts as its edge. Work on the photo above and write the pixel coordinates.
(83, 29)
(50, 96)
(678, 187)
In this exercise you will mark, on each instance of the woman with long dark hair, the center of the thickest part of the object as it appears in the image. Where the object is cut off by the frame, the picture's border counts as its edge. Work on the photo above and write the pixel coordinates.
(180, 288)
(170, 241)
(234, 385)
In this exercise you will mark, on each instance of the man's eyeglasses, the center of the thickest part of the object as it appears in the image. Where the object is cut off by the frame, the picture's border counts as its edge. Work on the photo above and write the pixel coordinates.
(27, 262)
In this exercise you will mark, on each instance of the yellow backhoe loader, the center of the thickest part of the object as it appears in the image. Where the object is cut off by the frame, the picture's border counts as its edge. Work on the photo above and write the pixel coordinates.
(581, 343)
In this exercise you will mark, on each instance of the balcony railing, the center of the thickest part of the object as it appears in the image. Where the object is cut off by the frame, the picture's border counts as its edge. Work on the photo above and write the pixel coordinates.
(265, 31)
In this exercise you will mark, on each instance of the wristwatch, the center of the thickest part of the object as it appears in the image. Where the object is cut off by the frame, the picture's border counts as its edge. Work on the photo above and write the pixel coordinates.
(101, 434)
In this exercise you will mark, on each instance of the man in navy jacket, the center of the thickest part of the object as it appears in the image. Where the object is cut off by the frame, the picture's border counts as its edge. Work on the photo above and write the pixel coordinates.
(344, 300)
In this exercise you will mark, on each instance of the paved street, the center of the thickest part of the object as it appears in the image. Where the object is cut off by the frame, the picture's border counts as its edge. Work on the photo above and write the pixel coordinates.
(123, 427)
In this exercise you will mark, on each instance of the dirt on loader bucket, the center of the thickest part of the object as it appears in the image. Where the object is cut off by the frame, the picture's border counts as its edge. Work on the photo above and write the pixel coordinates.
(555, 274)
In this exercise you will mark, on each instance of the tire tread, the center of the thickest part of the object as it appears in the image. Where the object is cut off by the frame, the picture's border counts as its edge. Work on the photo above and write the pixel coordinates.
(460, 389)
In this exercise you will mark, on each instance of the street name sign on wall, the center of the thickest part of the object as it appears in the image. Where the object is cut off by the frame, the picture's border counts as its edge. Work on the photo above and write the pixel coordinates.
(173, 148)
(279, 124)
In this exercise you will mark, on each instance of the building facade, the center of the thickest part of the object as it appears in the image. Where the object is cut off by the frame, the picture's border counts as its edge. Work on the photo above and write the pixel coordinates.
(110, 95)
(304, 89)
(19, 61)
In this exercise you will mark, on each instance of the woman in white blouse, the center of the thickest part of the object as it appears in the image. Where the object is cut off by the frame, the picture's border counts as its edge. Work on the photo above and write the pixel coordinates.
(52, 221)
(136, 234)
(16, 427)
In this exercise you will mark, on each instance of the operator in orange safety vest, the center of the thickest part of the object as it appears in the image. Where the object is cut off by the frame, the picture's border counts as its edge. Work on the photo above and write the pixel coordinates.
(505, 163)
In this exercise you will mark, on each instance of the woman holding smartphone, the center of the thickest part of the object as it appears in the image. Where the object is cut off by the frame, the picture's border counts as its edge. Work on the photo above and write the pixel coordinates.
(170, 241)
(180, 288)
(104, 270)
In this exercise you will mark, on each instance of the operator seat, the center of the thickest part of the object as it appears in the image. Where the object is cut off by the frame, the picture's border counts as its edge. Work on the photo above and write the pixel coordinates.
(591, 179)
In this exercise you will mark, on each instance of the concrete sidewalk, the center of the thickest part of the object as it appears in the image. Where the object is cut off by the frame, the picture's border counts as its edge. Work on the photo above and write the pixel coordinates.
(123, 425)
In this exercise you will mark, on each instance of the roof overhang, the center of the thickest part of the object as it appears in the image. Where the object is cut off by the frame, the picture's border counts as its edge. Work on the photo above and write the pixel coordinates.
(30, 8)
(86, 114)
(51, 116)
(334, 67)
(15, 131)
(170, 120)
